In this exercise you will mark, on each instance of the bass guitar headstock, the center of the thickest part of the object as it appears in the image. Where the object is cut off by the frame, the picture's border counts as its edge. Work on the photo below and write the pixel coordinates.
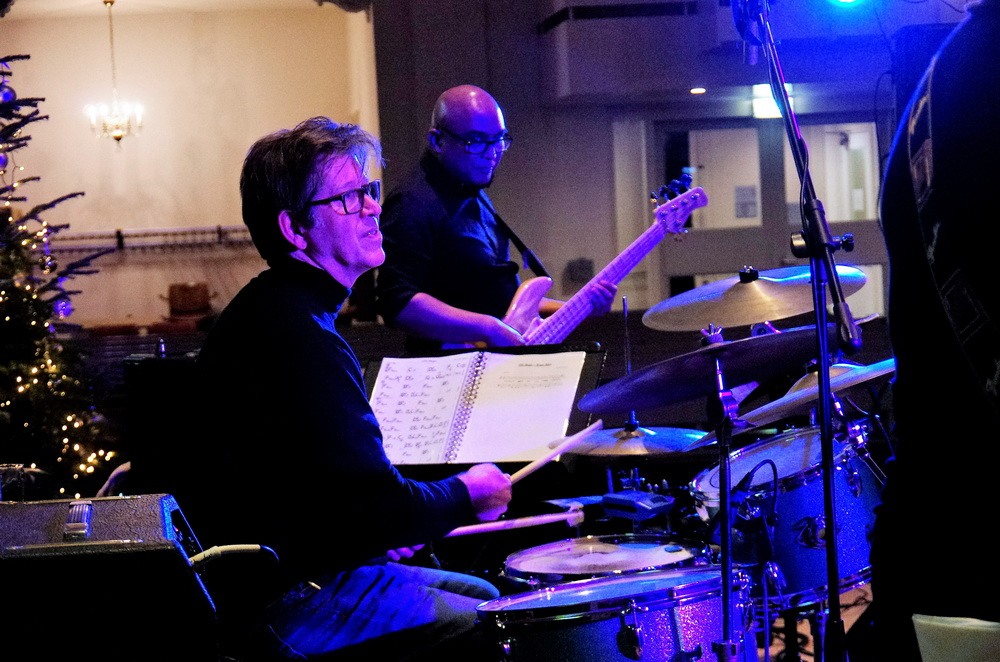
(675, 202)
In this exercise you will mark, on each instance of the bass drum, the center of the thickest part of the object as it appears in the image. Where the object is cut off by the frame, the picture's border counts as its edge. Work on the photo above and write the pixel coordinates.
(789, 557)
(659, 615)
(599, 556)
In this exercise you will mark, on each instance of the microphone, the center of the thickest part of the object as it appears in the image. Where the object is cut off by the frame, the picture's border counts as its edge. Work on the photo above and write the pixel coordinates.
(751, 531)
(740, 493)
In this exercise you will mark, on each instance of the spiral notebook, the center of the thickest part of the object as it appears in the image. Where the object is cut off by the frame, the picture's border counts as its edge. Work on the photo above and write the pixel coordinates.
(475, 406)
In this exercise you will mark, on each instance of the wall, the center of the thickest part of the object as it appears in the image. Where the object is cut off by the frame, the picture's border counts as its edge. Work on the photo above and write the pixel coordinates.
(212, 83)
(564, 90)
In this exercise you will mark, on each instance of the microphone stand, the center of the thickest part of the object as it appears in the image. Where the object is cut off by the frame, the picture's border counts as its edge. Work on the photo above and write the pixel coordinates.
(816, 243)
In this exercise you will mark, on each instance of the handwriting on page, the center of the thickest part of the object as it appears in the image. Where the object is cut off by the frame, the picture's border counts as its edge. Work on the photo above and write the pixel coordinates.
(415, 401)
(474, 406)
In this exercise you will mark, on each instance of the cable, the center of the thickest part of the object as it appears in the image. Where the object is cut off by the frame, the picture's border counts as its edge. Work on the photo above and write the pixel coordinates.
(219, 551)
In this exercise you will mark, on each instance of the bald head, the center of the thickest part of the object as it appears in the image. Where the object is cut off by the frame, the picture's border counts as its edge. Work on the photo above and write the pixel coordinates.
(468, 135)
(464, 105)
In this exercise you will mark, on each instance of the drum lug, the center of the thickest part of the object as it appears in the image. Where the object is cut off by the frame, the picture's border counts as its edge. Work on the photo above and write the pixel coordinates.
(507, 650)
(775, 577)
(812, 532)
(629, 637)
(854, 482)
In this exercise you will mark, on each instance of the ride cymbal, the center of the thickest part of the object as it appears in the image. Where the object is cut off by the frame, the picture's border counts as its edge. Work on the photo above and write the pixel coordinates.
(694, 374)
(745, 299)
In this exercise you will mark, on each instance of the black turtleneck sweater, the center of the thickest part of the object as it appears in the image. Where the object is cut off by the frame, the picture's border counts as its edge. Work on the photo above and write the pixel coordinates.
(293, 454)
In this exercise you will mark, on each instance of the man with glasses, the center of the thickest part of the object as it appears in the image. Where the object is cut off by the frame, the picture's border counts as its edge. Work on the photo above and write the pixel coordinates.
(282, 388)
(448, 277)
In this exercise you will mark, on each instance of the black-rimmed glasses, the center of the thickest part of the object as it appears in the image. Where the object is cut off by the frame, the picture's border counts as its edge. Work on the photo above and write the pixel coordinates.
(352, 201)
(480, 145)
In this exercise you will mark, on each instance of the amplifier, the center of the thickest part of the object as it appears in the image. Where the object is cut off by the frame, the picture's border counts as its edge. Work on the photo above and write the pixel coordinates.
(104, 578)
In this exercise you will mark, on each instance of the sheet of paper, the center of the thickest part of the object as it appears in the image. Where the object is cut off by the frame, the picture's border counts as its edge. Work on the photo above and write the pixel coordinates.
(524, 402)
(415, 402)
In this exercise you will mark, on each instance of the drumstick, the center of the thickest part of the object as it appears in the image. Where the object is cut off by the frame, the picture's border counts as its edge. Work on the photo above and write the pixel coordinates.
(573, 517)
(564, 446)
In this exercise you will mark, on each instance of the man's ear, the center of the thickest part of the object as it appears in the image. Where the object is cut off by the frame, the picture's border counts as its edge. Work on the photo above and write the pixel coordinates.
(434, 140)
(290, 230)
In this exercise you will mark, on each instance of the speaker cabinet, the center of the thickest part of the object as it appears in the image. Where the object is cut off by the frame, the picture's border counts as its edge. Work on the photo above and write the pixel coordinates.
(104, 578)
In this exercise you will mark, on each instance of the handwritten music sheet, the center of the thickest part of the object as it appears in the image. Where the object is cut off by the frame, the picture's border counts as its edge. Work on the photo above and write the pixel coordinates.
(475, 406)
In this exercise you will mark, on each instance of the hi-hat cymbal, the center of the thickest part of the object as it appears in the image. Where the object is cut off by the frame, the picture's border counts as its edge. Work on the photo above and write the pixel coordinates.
(797, 399)
(800, 396)
(641, 441)
(772, 295)
(694, 374)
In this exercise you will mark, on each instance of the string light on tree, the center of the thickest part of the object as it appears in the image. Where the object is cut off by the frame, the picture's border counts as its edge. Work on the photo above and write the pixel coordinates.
(48, 420)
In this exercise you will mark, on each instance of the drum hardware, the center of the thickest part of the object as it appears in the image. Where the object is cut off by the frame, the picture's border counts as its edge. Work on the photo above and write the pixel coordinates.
(637, 505)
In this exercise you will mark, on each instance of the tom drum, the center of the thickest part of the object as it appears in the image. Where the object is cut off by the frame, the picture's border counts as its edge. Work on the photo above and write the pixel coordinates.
(796, 575)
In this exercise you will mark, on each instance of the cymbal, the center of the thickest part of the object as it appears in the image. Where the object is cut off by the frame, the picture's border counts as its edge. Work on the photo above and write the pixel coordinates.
(795, 400)
(694, 374)
(773, 295)
(803, 393)
(641, 441)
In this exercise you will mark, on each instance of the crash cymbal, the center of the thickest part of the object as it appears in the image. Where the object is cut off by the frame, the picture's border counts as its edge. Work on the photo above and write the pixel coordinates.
(745, 299)
(694, 374)
(806, 391)
(641, 441)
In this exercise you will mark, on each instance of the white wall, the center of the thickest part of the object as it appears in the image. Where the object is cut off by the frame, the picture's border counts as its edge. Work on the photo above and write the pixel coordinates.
(212, 83)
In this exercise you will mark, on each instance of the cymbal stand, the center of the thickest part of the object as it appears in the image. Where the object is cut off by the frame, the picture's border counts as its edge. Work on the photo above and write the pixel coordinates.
(816, 243)
(728, 648)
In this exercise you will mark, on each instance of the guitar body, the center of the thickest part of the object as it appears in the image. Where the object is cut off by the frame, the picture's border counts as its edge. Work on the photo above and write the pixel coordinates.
(522, 314)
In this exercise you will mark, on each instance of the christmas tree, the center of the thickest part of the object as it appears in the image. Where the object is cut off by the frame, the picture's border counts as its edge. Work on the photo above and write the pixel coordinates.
(52, 438)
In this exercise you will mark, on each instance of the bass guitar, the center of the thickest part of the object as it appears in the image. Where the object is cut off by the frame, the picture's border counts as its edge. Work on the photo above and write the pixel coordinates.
(668, 218)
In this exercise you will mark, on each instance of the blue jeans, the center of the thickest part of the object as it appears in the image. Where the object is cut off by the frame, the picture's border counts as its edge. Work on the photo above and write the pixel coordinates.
(397, 611)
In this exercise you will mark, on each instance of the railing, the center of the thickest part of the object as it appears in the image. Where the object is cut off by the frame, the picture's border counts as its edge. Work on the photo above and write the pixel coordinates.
(168, 239)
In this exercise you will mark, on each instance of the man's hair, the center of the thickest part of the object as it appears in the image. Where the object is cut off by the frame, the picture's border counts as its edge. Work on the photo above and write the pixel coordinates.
(283, 170)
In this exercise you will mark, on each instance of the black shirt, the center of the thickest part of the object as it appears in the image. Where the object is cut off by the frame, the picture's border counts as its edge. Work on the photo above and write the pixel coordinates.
(441, 238)
(293, 454)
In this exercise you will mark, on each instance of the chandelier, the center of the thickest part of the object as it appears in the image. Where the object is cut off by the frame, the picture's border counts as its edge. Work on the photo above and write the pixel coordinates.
(121, 118)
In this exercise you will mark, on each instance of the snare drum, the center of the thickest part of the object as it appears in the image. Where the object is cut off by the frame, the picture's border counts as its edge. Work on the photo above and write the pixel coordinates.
(600, 556)
(798, 549)
(659, 615)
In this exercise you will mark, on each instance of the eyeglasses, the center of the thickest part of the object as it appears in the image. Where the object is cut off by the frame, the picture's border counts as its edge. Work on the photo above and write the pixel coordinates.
(352, 201)
(481, 145)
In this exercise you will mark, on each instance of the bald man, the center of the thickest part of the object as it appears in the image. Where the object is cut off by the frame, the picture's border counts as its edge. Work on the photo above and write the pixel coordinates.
(448, 277)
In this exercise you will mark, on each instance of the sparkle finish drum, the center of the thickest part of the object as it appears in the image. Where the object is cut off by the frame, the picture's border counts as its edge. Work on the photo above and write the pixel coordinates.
(796, 574)
(661, 615)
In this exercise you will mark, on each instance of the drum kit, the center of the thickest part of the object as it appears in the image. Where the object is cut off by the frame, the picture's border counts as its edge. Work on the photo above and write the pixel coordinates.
(657, 595)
